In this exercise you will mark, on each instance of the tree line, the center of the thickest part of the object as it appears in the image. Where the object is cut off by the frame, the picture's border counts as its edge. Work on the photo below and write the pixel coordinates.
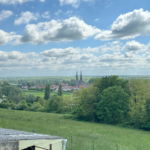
(109, 100)
(113, 100)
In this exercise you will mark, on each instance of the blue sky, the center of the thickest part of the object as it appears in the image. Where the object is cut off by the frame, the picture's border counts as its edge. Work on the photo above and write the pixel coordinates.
(56, 37)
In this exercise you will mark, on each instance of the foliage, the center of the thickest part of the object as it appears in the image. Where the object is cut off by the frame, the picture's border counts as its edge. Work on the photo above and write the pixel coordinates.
(92, 80)
(109, 81)
(30, 98)
(113, 106)
(60, 90)
(85, 103)
(12, 92)
(55, 104)
(72, 82)
(1, 95)
(47, 92)
(139, 94)
(9, 90)
(41, 101)
(23, 105)
(36, 107)
(5, 83)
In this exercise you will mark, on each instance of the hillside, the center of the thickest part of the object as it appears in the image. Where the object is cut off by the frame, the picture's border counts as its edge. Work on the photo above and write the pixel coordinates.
(106, 137)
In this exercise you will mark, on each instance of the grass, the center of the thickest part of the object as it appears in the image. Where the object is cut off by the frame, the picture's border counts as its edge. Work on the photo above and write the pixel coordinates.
(41, 93)
(106, 137)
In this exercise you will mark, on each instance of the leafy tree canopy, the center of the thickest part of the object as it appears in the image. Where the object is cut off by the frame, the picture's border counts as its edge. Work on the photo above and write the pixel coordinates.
(113, 107)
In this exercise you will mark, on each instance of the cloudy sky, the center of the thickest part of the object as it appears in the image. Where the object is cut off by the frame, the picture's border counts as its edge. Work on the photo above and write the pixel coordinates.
(56, 37)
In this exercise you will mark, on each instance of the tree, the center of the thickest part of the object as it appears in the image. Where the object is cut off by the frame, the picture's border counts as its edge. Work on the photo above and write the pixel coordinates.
(30, 98)
(92, 80)
(109, 81)
(5, 83)
(1, 95)
(23, 105)
(139, 103)
(55, 104)
(113, 106)
(85, 103)
(60, 90)
(47, 92)
(9, 90)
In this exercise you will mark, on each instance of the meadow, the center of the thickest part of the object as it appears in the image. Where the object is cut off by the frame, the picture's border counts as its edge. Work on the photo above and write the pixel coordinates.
(41, 93)
(85, 135)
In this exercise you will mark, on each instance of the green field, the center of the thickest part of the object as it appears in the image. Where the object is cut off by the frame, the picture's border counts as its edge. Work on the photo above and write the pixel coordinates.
(41, 93)
(106, 137)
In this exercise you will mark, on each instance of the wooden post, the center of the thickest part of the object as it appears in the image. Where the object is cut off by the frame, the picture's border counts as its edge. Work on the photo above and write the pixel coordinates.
(50, 146)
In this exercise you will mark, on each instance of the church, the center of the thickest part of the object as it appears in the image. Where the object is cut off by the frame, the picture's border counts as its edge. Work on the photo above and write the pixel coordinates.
(79, 82)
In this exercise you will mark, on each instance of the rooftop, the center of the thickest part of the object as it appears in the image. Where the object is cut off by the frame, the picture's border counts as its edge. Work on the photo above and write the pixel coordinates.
(15, 135)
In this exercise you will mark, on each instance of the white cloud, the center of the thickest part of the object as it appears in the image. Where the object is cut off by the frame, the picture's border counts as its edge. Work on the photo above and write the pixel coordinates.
(14, 1)
(96, 19)
(134, 46)
(26, 17)
(42, 0)
(55, 31)
(46, 15)
(7, 37)
(57, 59)
(148, 45)
(16, 55)
(60, 52)
(69, 12)
(58, 12)
(4, 14)
(74, 3)
(129, 25)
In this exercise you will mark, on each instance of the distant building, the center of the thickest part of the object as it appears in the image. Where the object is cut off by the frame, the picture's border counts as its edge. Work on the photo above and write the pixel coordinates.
(20, 140)
(24, 87)
(79, 82)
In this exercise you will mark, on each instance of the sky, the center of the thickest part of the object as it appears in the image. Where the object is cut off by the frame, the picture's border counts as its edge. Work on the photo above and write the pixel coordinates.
(58, 37)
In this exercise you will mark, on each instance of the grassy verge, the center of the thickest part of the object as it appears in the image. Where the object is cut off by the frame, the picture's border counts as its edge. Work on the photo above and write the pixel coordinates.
(106, 137)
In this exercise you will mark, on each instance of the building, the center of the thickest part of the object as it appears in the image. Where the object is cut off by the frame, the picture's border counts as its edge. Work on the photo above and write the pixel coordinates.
(79, 82)
(20, 140)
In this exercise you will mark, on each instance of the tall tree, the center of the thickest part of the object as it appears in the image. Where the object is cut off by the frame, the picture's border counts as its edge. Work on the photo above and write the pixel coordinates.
(109, 81)
(1, 95)
(85, 103)
(47, 92)
(139, 100)
(113, 107)
(60, 90)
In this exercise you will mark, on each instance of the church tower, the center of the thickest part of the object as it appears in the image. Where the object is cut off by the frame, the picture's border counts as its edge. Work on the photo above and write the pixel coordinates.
(79, 81)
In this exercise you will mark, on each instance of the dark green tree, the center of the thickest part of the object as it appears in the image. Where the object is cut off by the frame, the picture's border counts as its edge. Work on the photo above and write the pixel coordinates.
(60, 90)
(109, 81)
(1, 95)
(113, 106)
(47, 92)
(85, 104)
(92, 80)
(30, 98)
(55, 104)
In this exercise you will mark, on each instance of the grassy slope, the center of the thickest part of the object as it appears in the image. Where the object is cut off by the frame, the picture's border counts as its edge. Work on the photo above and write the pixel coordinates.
(105, 137)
